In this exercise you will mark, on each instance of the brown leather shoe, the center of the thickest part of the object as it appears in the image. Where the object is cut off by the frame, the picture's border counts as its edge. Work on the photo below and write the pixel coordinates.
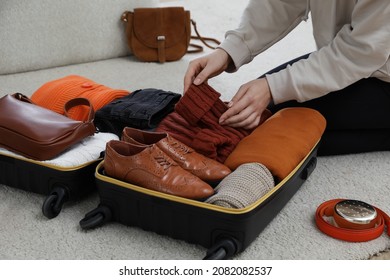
(149, 167)
(207, 169)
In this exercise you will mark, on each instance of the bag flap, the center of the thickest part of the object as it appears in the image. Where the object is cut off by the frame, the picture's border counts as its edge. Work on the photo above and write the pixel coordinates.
(170, 22)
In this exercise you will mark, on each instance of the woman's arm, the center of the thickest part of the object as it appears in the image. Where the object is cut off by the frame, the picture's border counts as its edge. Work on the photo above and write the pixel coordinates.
(357, 51)
(263, 23)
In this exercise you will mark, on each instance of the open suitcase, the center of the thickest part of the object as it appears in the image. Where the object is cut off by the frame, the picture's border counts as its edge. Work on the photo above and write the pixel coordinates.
(70, 177)
(224, 231)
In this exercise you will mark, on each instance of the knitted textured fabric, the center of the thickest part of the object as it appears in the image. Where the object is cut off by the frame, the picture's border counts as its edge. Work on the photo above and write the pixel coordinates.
(201, 108)
(244, 186)
(197, 101)
(213, 144)
(281, 142)
(54, 94)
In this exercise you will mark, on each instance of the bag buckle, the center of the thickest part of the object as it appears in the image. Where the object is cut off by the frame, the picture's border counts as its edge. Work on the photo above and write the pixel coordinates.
(161, 48)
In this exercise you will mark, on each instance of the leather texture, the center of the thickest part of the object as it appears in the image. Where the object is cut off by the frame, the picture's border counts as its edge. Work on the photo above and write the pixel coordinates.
(345, 231)
(205, 168)
(151, 168)
(158, 34)
(38, 133)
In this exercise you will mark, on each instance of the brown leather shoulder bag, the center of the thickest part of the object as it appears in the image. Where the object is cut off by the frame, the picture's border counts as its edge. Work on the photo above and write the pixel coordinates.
(161, 34)
(39, 133)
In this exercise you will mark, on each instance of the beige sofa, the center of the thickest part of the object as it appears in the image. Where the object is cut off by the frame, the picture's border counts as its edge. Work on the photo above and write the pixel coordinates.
(43, 40)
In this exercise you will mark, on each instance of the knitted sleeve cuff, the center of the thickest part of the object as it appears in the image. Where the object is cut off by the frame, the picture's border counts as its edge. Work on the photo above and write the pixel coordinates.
(212, 144)
(196, 102)
(178, 127)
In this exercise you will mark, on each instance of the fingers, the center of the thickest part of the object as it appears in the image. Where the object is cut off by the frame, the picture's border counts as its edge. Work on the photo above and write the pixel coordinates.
(246, 119)
(202, 76)
(247, 106)
(249, 123)
(237, 105)
(242, 118)
(197, 73)
(203, 68)
(255, 123)
(192, 71)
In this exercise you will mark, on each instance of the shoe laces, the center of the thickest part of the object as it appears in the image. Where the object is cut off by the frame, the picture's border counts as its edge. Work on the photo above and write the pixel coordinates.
(163, 160)
(183, 149)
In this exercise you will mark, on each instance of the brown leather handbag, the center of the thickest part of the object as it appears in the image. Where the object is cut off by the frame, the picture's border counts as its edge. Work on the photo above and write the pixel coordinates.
(39, 133)
(161, 34)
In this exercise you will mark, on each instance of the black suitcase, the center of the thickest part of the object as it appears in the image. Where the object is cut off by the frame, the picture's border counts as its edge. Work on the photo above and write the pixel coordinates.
(224, 231)
(59, 184)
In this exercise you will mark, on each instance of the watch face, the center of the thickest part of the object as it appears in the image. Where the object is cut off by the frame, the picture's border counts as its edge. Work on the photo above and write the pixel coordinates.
(355, 211)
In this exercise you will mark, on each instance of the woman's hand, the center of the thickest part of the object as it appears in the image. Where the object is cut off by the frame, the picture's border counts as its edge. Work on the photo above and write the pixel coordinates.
(203, 68)
(247, 105)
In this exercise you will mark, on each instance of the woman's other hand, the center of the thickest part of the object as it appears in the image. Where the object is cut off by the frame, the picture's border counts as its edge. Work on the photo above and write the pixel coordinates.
(248, 104)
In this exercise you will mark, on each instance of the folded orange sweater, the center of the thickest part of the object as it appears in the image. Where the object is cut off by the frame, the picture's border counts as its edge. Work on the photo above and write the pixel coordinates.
(281, 142)
(54, 94)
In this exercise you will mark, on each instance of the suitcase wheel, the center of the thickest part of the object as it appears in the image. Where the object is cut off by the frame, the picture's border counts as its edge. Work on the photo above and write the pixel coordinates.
(53, 203)
(97, 217)
(223, 249)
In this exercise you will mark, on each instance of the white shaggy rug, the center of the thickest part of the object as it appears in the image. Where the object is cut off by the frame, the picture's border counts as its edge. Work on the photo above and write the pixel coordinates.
(26, 234)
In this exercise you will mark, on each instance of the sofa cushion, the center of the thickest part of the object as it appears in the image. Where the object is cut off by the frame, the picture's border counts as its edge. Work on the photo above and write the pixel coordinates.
(47, 33)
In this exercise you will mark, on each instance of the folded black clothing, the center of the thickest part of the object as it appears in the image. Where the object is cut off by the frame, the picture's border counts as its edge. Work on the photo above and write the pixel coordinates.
(142, 109)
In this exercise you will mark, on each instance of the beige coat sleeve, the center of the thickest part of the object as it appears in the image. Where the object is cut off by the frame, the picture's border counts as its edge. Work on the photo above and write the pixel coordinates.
(263, 23)
(357, 51)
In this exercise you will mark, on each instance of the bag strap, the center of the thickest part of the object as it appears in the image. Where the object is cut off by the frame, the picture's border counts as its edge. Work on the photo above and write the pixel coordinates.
(22, 97)
(68, 105)
(198, 48)
(349, 231)
(124, 16)
(78, 102)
